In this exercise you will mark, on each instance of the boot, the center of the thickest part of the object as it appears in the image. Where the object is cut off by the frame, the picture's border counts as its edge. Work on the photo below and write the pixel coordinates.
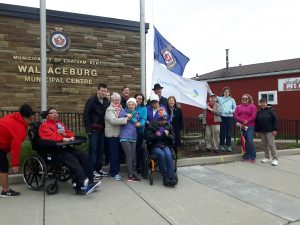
(166, 181)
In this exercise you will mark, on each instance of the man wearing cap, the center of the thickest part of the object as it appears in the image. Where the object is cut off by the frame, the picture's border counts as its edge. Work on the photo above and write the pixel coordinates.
(212, 120)
(157, 90)
(266, 124)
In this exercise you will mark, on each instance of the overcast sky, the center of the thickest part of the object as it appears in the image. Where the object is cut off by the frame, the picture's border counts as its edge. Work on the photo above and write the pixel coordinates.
(254, 31)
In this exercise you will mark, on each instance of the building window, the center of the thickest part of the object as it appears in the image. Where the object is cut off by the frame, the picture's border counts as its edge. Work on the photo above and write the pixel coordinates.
(271, 96)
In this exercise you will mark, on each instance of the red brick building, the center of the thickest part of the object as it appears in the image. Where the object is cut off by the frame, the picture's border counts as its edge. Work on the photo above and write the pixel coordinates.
(278, 81)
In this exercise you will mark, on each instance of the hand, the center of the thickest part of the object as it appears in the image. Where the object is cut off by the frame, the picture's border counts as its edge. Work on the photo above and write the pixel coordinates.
(245, 122)
(166, 132)
(129, 116)
(15, 169)
(274, 133)
(209, 108)
(138, 124)
(157, 133)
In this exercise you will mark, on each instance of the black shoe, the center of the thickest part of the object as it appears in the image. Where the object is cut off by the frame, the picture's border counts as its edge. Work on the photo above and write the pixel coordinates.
(9, 193)
(166, 181)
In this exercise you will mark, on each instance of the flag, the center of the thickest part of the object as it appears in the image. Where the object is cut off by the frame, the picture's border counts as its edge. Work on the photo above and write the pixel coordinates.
(185, 90)
(168, 55)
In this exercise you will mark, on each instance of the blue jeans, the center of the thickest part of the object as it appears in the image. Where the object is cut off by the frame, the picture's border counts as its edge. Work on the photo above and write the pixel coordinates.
(114, 151)
(250, 150)
(96, 147)
(165, 161)
(226, 130)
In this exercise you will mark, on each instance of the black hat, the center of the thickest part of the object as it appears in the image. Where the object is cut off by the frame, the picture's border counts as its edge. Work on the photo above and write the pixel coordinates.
(157, 86)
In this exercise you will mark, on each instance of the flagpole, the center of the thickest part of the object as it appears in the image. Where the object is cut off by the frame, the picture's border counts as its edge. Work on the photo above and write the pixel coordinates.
(143, 46)
(43, 55)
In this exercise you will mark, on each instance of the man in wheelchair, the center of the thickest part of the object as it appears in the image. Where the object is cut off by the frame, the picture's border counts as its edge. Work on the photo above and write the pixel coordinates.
(77, 161)
(160, 137)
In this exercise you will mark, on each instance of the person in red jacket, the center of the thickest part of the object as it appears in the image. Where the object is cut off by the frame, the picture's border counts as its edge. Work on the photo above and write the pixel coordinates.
(13, 128)
(78, 162)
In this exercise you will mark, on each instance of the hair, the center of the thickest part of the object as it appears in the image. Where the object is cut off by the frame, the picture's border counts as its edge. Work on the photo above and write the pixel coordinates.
(115, 95)
(143, 98)
(224, 89)
(26, 111)
(174, 100)
(44, 114)
(250, 99)
(101, 85)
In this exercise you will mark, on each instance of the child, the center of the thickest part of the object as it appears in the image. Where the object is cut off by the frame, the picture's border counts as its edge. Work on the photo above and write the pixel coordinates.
(128, 137)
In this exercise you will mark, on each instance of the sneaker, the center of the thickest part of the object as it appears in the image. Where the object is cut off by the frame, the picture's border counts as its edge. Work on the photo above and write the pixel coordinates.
(222, 148)
(96, 175)
(97, 184)
(116, 177)
(89, 188)
(266, 160)
(103, 173)
(9, 193)
(252, 161)
(166, 181)
(133, 178)
(228, 149)
(275, 162)
(244, 160)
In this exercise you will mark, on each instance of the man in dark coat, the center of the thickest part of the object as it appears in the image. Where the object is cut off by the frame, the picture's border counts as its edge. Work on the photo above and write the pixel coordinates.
(158, 91)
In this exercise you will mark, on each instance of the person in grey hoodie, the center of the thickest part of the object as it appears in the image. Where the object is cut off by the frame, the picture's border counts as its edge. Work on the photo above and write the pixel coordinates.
(228, 107)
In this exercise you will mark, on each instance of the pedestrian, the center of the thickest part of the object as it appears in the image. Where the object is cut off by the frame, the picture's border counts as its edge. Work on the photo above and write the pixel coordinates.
(158, 91)
(266, 124)
(13, 128)
(228, 107)
(176, 120)
(94, 113)
(245, 114)
(113, 125)
(128, 138)
(142, 112)
(211, 121)
(78, 162)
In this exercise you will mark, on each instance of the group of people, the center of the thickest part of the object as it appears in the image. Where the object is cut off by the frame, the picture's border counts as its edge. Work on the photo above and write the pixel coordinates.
(219, 115)
(114, 124)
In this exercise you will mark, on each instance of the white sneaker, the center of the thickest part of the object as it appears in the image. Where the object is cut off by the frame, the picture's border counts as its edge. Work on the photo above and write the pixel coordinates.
(265, 160)
(275, 162)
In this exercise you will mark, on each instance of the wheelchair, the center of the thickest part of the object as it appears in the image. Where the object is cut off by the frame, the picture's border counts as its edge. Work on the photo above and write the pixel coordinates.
(45, 164)
(150, 162)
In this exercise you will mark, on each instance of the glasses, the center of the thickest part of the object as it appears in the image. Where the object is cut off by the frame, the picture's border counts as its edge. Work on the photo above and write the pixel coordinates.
(53, 113)
(244, 98)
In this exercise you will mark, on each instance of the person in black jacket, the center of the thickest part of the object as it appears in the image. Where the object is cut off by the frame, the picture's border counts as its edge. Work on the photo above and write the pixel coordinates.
(160, 137)
(94, 113)
(176, 120)
(266, 124)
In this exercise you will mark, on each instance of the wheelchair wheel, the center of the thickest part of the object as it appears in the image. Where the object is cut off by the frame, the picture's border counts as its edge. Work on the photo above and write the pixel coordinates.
(65, 174)
(151, 174)
(52, 189)
(145, 163)
(34, 172)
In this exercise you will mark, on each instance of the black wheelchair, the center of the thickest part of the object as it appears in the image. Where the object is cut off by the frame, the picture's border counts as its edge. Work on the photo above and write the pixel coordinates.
(45, 164)
(150, 162)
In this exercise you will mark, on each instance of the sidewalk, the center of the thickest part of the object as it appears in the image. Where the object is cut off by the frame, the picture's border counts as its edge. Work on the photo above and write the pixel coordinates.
(211, 194)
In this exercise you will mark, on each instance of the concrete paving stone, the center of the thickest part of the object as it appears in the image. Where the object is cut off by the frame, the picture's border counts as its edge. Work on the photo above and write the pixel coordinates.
(277, 203)
(193, 203)
(276, 178)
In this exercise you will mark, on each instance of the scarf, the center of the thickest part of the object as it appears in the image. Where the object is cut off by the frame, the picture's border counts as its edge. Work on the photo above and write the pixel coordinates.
(117, 107)
(133, 113)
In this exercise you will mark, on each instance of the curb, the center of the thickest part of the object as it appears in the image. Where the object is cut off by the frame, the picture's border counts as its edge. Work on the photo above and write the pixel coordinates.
(18, 178)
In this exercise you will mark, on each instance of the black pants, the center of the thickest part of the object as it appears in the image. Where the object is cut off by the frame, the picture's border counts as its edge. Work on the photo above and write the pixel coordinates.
(139, 152)
(78, 162)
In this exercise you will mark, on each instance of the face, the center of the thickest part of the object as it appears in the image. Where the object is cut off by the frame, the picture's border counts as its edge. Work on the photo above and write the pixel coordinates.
(126, 92)
(102, 92)
(171, 102)
(52, 115)
(29, 120)
(212, 99)
(245, 99)
(115, 100)
(226, 92)
(131, 105)
(155, 104)
(108, 95)
(139, 99)
(158, 92)
(263, 105)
